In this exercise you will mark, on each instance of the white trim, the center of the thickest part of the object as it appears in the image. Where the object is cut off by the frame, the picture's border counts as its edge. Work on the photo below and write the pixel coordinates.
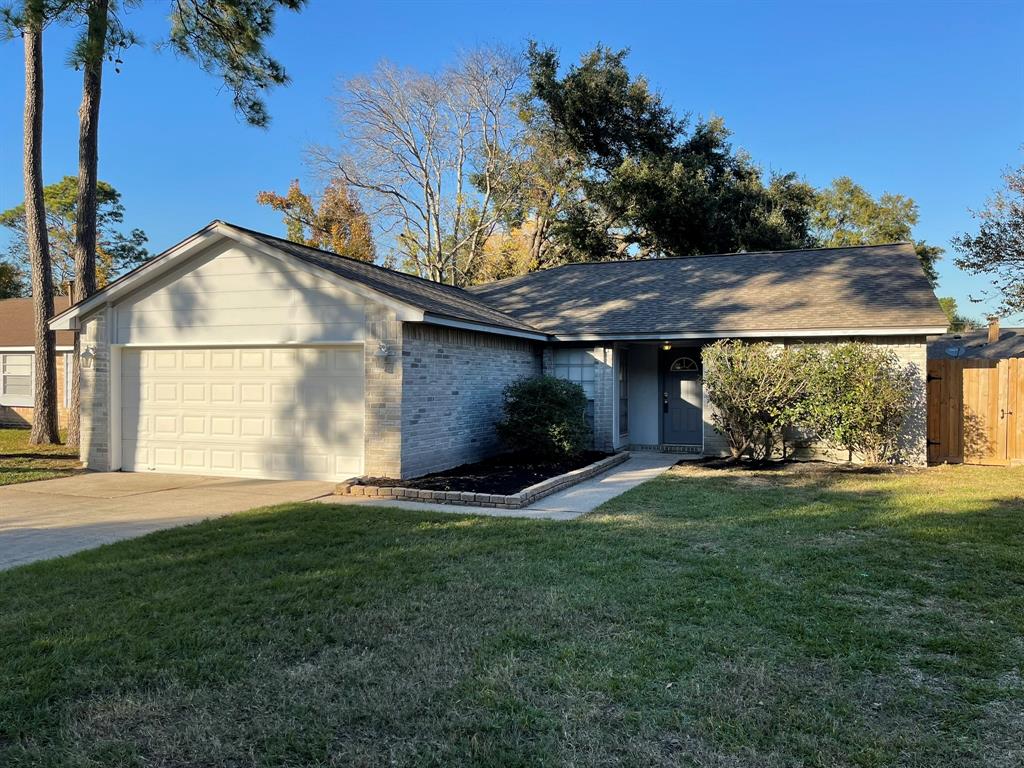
(432, 319)
(792, 333)
(114, 405)
(200, 241)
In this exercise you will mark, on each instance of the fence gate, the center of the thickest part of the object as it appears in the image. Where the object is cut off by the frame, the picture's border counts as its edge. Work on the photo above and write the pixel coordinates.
(976, 411)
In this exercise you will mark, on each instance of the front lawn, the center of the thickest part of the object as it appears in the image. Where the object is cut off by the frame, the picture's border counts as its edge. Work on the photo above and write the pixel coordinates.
(707, 618)
(21, 462)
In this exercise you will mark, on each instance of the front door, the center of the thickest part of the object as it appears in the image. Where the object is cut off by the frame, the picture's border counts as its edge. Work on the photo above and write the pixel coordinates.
(682, 408)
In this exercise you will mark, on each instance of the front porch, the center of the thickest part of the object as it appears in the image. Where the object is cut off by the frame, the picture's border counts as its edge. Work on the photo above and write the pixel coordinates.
(642, 396)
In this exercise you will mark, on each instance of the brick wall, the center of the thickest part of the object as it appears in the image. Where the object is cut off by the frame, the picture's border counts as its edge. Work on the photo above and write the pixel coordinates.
(95, 388)
(382, 437)
(452, 382)
(21, 416)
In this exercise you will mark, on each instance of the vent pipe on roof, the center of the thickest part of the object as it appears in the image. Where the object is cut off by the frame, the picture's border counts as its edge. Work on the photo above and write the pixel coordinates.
(993, 329)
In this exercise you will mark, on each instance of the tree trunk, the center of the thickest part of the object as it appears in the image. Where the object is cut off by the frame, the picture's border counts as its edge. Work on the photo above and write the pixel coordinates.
(44, 414)
(88, 160)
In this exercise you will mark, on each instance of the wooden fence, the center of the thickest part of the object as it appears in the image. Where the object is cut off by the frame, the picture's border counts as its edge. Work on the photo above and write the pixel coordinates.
(976, 411)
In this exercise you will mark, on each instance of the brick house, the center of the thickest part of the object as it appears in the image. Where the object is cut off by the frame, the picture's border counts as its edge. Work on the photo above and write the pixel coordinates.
(17, 351)
(239, 353)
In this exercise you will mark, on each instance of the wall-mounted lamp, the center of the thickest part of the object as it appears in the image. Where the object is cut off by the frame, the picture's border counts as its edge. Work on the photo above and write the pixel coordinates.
(383, 350)
(87, 356)
(666, 346)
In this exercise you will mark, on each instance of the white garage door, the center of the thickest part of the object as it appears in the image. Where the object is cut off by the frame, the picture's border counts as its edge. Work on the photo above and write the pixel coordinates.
(274, 412)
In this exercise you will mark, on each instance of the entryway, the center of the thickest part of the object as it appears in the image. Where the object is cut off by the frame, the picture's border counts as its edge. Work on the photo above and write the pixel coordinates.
(682, 409)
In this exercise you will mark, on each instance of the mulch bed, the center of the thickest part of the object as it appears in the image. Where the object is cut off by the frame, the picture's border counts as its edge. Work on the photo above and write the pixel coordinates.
(503, 475)
(804, 466)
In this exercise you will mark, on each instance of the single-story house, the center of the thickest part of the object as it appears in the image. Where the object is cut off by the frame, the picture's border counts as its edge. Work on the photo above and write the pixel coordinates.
(17, 350)
(239, 353)
(991, 343)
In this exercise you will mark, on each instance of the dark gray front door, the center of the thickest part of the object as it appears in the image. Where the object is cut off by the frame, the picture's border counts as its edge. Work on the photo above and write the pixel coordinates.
(682, 408)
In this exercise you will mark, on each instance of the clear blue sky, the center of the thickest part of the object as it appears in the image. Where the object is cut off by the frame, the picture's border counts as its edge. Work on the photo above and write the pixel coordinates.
(923, 99)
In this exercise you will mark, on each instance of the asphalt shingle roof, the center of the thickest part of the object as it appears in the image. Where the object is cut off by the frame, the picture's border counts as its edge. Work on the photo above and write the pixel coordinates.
(864, 287)
(17, 323)
(974, 345)
(438, 299)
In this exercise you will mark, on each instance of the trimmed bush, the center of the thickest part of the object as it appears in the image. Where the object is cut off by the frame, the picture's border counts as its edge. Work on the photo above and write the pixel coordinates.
(858, 398)
(757, 390)
(545, 417)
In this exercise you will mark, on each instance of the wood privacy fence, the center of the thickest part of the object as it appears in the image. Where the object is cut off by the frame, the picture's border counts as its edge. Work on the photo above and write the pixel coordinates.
(976, 411)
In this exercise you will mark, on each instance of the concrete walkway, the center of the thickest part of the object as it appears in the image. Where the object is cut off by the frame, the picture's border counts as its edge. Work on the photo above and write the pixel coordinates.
(640, 467)
(51, 518)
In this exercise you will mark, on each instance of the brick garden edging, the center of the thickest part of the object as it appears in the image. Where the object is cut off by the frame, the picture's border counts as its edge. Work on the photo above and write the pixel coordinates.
(513, 501)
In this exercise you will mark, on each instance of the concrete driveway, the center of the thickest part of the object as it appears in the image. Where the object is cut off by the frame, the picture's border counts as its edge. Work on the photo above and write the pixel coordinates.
(50, 518)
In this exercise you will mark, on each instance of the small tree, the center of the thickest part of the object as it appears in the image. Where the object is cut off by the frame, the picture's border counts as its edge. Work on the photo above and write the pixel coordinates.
(546, 417)
(859, 396)
(756, 391)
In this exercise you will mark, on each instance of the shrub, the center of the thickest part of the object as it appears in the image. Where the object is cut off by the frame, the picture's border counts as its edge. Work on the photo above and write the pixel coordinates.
(546, 417)
(757, 390)
(858, 398)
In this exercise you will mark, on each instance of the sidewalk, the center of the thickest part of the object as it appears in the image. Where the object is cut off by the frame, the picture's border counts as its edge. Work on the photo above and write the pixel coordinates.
(564, 505)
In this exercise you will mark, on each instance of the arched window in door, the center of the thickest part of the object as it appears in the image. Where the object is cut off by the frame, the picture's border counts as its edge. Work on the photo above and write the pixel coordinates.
(684, 364)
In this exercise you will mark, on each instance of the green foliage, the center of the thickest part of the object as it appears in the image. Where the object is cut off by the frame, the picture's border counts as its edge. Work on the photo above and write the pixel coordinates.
(845, 214)
(226, 38)
(545, 417)
(645, 183)
(958, 322)
(756, 390)
(116, 251)
(997, 250)
(12, 281)
(859, 396)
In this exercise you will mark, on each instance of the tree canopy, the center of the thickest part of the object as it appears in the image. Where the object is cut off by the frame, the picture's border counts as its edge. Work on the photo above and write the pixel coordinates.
(117, 250)
(335, 223)
(997, 249)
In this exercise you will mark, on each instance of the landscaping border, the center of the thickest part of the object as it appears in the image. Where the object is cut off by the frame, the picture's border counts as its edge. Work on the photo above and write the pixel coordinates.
(519, 500)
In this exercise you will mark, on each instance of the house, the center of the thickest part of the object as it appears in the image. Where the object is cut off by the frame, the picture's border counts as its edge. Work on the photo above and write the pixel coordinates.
(17, 379)
(239, 353)
(976, 396)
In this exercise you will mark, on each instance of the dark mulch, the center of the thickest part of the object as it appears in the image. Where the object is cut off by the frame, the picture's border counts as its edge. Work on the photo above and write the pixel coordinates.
(799, 465)
(505, 474)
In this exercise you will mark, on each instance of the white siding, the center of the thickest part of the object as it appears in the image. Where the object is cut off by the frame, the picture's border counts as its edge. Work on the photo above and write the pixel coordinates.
(236, 295)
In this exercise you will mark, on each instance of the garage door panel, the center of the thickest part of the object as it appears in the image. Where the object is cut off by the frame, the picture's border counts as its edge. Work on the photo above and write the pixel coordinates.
(267, 412)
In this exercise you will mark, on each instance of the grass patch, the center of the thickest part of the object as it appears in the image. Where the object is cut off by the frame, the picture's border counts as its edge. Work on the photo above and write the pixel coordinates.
(706, 618)
(21, 462)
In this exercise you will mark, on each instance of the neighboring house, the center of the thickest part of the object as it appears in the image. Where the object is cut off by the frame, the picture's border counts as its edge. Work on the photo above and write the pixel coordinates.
(17, 378)
(239, 353)
(991, 343)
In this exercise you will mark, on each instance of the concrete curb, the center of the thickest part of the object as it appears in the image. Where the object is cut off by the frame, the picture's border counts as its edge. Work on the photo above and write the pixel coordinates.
(519, 500)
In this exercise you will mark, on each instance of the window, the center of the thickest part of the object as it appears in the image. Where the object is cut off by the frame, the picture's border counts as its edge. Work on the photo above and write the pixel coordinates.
(623, 392)
(577, 365)
(684, 364)
(16, 379)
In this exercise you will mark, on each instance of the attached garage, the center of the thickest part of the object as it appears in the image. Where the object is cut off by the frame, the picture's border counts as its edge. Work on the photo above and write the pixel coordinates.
(273, 412)
(237, 353)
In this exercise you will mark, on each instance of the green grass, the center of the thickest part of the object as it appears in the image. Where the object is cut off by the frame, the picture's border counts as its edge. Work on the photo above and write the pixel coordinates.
(707, 618)
(21, 462)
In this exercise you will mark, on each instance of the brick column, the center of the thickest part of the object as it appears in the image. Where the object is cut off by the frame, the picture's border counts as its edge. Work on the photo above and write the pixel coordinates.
(382, 447)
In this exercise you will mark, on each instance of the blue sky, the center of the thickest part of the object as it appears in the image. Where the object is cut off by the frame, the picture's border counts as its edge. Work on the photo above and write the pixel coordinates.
(923, 99)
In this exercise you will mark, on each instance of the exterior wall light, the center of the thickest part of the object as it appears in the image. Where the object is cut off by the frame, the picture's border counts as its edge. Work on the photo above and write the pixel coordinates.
(383, 350)
(87, 357)
(666, 346)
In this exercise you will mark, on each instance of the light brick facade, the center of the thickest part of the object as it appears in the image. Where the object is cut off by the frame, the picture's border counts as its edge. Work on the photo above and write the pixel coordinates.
(452, 382)
(95, 394)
